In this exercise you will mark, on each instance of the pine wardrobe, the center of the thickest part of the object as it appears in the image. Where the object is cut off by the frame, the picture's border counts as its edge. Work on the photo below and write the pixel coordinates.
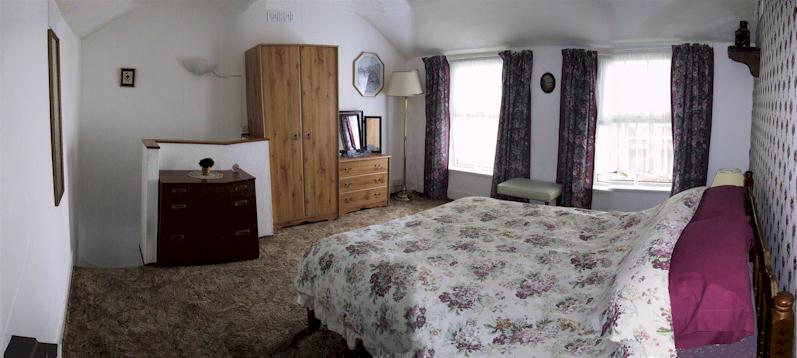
(292, 100)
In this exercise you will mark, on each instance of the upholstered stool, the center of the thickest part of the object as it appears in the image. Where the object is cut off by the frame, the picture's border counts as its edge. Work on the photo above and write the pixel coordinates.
(530, 189)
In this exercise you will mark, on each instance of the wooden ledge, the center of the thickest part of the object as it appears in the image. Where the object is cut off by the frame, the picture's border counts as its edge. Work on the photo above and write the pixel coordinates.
(155, 143)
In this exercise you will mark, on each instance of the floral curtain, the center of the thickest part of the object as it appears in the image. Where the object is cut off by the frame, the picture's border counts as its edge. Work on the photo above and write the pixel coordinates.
(513, 146)
(438, 125)
(578, 114)
(692, 92)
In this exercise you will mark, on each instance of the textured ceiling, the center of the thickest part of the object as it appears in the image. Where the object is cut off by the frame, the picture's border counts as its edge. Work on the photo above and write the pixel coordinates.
(418, 27)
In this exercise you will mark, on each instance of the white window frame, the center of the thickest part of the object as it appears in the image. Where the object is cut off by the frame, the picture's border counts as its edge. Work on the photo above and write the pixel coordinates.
(463, 167)
(635, 184)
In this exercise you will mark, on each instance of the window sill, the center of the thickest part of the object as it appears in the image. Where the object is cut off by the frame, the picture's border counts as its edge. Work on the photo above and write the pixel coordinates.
(463, 171)
(609, 187)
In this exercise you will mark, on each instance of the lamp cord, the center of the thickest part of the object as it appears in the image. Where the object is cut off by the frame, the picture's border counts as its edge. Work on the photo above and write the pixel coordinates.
(224, 76)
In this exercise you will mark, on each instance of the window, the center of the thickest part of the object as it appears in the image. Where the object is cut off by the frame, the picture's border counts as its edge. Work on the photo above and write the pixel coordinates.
(633, 144)
(475, 104)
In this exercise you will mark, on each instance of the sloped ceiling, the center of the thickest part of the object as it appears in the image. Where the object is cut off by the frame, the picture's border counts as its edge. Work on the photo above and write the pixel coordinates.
(87, 16)
(418, 27)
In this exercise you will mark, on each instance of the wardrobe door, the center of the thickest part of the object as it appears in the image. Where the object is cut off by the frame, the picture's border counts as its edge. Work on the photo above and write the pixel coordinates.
(319, 119)
(282, 111)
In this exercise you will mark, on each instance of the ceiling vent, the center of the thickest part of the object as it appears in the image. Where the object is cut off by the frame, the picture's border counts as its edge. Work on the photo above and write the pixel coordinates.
(280, 16)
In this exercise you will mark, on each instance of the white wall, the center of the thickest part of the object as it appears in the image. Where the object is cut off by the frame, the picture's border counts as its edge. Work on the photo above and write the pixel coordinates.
(36, 256)
(170, 103)
(730, 138)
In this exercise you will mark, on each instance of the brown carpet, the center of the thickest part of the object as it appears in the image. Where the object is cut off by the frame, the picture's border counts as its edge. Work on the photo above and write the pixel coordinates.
(230, 310)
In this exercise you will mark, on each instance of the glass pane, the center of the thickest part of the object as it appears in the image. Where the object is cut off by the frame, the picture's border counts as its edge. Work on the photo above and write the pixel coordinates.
(634, 134)
(475, 105)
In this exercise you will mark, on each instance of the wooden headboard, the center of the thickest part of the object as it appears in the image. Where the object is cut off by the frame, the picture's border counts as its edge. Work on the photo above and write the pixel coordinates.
(774, 309)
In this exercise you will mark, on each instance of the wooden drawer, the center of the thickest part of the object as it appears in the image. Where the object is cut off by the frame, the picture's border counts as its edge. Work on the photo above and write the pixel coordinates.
(177, 249)
(360, 182)
(243, 190)
(363, 199)
(362, 167)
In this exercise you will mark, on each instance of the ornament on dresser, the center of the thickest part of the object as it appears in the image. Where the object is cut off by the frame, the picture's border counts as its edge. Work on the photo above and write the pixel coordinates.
(206, 173)
(207, 165)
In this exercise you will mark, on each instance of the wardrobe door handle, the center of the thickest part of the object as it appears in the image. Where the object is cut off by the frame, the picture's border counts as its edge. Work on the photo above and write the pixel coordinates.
(308, 135)
(242, 232)
(179, 206)
(295, 136)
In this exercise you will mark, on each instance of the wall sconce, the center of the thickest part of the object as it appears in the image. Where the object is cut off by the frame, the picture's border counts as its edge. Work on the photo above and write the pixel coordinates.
(199, 66)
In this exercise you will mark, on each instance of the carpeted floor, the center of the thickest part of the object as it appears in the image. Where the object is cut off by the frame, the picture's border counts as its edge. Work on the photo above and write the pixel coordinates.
(230, 310)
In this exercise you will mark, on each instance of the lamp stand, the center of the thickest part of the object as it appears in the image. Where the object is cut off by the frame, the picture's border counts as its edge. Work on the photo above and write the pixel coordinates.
(404, 195)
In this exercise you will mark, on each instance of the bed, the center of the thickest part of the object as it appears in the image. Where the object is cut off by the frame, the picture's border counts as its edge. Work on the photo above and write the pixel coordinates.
(485, 277)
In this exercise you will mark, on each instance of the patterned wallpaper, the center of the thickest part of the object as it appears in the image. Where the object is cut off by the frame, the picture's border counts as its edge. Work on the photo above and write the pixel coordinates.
(773, 150)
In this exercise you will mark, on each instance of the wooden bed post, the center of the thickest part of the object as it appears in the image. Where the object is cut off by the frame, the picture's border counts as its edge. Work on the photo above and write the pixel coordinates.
(782, 332)
(774, 312)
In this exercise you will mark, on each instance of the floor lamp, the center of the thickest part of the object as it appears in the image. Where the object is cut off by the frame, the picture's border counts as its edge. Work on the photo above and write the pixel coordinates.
(404, 84)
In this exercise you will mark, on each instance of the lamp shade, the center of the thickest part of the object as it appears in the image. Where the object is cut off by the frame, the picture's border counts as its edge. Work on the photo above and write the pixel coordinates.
(404, 84)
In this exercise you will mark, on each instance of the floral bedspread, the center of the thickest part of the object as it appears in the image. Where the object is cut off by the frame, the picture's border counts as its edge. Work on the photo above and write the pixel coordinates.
(485, 277)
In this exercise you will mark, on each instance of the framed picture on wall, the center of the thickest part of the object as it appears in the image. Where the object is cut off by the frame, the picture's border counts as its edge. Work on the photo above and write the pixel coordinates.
(56, 145)
(127, 77)
(369, 74)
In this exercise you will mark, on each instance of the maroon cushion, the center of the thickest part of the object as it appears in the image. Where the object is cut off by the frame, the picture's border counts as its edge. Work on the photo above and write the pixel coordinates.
(721, 201)
(709, 277)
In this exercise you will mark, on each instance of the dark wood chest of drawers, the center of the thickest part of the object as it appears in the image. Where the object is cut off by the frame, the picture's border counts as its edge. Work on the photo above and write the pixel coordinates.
(206, 221)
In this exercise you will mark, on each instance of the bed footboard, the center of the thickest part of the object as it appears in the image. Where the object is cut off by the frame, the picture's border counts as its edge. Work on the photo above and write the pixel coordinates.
(774, 310)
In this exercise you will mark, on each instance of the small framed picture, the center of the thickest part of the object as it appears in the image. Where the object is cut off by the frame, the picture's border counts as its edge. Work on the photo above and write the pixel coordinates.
(127, 77)
(547, 82)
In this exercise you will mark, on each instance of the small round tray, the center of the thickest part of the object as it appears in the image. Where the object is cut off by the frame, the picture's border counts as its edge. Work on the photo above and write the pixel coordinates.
(211, 176)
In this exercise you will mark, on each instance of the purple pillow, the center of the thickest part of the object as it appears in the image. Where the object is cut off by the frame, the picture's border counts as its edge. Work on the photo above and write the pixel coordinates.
(720, 201)
(709, 279)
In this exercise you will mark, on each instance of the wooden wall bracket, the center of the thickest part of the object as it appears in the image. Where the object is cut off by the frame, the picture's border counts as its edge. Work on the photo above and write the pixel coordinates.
(749, 56)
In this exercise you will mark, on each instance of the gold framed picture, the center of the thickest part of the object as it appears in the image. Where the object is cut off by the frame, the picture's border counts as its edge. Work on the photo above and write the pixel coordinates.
(56, 142)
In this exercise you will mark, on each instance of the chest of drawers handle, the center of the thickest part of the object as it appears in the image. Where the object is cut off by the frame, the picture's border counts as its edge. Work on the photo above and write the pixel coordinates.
(176, 237)
(346, 169)
(241, 202)
(376, 195)
(179, 190)
(346, 185)
(241, 187)
(179, 206)
(243, 232)
(378, 181)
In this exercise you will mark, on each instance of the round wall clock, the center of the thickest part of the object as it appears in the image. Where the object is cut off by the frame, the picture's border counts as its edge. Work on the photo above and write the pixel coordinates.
(547, 82)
